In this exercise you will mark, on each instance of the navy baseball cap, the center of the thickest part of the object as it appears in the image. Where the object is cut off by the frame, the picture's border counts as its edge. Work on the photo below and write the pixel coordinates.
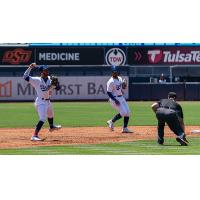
(114, 69)
(172, 95)
(42, 67)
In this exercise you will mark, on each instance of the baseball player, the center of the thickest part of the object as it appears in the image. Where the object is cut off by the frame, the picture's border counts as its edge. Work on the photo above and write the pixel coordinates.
(43, 86)
(115, 87)
(170, 112)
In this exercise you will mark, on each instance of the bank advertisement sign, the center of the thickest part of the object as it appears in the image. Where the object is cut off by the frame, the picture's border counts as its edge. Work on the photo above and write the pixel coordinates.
(72, 88)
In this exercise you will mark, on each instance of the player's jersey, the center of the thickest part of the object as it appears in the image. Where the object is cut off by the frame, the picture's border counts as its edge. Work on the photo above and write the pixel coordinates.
(115, 86)
(43, 89)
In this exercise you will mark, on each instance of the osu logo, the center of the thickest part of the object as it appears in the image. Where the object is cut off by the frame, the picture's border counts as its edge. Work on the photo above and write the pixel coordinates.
(155, 55)
(115, 56)
(6, 89)
(17, 56)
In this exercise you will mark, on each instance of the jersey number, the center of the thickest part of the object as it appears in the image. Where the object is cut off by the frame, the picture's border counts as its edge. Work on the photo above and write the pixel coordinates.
(43, 88)
(118, 87)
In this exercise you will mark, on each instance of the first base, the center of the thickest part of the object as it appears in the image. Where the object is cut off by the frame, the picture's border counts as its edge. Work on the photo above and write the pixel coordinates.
(195, 131)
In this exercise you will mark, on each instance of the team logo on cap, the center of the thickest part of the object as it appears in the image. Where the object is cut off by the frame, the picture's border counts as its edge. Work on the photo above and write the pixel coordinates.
(115, 56)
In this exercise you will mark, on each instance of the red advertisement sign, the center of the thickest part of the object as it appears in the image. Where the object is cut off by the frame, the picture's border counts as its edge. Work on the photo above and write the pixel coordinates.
(16, 56)
(163, 55)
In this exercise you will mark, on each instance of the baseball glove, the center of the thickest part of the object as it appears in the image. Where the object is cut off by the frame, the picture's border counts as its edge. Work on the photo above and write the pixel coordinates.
(54, 81)
(124, 84)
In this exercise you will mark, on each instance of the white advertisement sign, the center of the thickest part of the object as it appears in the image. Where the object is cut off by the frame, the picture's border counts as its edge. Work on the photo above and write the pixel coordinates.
(72, 88)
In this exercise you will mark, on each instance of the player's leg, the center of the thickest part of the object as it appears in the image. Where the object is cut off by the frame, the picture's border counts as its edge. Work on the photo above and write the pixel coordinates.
(126, 112)
(161, 126)
(116, 117)
(174, 124)
(50, 115)
(41, 109)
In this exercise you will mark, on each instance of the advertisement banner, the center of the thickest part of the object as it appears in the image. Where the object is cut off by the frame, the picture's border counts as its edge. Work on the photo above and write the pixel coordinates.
(16, 56)
(72, 88)
(70, 56)
(115, 56)
(163, 55)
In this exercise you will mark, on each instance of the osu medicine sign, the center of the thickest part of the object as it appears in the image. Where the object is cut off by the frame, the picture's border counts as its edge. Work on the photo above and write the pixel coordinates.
(163, 55)
(70, 56)
(52, 55)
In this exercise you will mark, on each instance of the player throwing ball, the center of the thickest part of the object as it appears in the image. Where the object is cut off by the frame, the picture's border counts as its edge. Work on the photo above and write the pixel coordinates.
(44, 86)
(115, 87)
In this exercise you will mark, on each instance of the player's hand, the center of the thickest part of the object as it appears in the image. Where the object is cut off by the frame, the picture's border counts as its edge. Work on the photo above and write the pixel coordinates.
(117, 102)
(32, 65)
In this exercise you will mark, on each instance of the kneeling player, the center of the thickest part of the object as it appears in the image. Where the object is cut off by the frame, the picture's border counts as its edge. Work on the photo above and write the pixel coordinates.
(170, 112)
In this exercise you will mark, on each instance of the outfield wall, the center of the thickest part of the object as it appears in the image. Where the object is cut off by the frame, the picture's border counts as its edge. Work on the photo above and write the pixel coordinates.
(72, 88)
(94, 88)
(154, 91)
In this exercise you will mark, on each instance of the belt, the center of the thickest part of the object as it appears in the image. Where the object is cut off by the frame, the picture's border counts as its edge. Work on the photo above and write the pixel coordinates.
(118, 96)
(166, 107)
(45, 99)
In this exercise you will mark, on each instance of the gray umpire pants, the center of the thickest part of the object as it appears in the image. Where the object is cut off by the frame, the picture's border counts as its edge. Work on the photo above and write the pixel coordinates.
(165, 115)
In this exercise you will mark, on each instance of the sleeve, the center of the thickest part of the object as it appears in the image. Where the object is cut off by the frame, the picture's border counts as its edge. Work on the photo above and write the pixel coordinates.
(33, 81)
(120, 79)
(26, 74)
(109, 86)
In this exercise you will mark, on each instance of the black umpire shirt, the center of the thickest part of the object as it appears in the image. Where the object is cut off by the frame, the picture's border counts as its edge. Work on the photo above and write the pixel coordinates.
(171, 104)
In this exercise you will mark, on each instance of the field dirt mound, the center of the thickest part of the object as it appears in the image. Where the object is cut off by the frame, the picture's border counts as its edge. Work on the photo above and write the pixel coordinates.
(20, 137)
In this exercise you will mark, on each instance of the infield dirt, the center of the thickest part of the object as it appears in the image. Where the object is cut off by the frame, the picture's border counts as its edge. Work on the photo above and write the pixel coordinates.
(16, 138)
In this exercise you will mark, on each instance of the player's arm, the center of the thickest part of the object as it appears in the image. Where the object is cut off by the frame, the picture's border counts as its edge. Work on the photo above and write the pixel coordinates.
(155, 106)
(27, 72)
(109, 93)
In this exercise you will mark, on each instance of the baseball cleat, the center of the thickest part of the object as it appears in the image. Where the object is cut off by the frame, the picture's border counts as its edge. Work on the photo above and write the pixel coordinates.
(110, 125)
(160, 141)
(184, 138)
(126, 130)
(55, 127)
(35, 138)
(182, 141)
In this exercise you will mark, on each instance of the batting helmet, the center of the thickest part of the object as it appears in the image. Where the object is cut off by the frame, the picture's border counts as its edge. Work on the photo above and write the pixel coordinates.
(42, 67)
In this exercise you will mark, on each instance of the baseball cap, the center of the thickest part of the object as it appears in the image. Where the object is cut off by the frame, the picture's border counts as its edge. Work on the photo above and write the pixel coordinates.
(114, 68)
(42, 67)
(172, 95)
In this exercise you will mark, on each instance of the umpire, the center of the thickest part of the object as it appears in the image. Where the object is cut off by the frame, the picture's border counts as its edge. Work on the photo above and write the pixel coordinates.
(170, 112)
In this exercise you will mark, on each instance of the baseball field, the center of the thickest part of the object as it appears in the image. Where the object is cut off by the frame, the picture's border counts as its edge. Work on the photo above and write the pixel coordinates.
(85, 130)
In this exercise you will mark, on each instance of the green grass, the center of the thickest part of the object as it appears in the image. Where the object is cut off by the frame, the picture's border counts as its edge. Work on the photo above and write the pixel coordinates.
(143, 147)
(74, 114)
